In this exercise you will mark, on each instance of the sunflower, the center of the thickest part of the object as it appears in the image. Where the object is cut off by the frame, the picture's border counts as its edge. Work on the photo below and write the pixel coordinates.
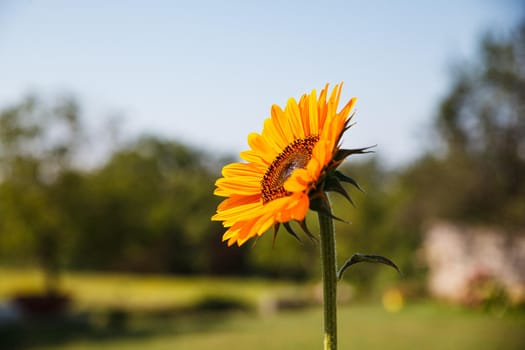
(290, 164)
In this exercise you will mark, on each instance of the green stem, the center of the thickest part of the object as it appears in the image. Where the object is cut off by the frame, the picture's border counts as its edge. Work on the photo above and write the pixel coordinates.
(329, 267)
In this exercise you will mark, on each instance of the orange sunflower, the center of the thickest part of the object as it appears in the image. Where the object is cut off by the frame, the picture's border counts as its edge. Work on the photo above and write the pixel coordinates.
(290, 163)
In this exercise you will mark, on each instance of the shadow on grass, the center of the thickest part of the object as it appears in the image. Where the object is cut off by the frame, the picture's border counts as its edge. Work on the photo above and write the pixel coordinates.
(117, 323)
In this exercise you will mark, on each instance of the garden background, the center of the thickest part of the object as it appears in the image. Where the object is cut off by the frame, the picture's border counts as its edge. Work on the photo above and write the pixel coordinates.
(115, 121)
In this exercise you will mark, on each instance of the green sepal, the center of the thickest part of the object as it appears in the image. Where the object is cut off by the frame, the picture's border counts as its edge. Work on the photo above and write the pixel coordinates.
(345, 178)
(318, 204)
(332, 184)
(307, 231)
(342, 154)
(347, 126)
(291, 231)
(255, 241)
(276, 227)
(357, 258)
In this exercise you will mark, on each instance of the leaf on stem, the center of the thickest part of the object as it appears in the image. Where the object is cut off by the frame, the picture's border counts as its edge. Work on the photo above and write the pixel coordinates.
(357, 258)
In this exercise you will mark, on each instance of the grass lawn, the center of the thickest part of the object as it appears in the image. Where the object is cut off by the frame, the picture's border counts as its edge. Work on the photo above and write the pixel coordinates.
(132, 291)
(152, 327)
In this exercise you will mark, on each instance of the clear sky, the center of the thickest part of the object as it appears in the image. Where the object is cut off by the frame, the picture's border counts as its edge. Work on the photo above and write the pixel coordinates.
(207, 72)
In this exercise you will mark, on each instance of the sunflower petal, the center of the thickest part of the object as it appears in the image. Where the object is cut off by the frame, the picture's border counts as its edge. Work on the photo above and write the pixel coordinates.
(294, 118)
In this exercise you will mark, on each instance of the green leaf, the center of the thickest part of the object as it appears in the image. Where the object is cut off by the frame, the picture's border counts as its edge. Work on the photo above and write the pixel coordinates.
(357, 258)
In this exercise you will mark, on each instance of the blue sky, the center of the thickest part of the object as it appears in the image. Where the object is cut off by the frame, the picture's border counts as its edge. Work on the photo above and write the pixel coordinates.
(207, 72)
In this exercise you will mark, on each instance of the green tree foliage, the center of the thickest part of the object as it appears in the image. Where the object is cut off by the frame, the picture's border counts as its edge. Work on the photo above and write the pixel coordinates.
(148, 209)
(481, 123)
(37, 145)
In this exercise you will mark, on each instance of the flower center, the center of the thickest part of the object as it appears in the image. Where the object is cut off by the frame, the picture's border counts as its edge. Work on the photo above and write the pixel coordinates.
(295, 156)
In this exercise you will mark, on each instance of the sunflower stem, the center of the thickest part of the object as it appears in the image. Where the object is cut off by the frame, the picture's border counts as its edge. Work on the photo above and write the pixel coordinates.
(329, 268)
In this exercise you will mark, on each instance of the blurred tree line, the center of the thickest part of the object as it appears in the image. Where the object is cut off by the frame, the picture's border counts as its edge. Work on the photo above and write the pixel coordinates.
(148, 207)
(478, 170)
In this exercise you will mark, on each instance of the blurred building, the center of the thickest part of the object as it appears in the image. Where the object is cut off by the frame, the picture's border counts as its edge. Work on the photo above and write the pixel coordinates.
(473, 264)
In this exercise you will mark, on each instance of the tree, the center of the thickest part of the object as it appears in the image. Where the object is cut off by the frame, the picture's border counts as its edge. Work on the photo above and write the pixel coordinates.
(147, 210)
(38, 143)
(479, 177)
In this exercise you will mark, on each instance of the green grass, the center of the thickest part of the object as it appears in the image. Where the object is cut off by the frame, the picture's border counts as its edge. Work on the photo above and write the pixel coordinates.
(140, 321)
(419, 326)
(132, 291)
